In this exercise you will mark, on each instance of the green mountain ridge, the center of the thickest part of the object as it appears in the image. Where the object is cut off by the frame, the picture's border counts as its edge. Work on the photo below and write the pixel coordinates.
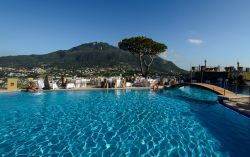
(96, 54)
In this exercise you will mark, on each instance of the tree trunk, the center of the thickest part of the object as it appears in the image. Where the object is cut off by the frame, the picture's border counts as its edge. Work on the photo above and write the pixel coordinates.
(147, 65)
(141, 65)
(146, 71)
(46, 83)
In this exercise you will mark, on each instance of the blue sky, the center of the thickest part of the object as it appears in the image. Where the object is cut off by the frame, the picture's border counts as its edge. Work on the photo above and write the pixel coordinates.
(193, 30)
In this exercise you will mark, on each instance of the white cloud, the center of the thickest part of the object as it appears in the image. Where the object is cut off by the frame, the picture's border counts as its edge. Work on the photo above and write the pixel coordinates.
(164, 54)
(177, 58)
(195, 41)
(170, 55)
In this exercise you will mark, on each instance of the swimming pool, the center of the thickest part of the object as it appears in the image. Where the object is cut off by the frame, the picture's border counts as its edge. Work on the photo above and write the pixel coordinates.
(119, 123)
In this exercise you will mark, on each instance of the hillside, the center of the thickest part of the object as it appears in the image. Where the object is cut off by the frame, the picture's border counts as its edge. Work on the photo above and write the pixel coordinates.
(96, 54)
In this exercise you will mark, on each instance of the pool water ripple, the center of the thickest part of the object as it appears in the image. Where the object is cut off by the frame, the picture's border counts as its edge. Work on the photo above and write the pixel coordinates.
(116, 123)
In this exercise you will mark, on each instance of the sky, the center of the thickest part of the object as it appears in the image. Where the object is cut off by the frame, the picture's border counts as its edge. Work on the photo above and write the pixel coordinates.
(193, 30)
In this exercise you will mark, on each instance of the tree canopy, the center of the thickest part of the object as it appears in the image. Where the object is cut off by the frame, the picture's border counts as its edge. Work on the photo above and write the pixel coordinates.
(143, 48)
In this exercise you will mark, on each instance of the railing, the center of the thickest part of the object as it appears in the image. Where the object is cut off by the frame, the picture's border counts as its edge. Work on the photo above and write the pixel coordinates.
(238, 89)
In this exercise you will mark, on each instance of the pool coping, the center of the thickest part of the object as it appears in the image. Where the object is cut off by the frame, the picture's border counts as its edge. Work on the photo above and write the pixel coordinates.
(93, 88)
(83, 89)
(233, 106)
(9, 91)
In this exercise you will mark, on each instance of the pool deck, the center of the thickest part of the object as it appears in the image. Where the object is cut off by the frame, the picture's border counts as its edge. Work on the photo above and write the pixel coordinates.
(213, 88)
(6, 91)
(240, 103)
(94, 88)
(88, 88)
(216, 89)
(236, 102)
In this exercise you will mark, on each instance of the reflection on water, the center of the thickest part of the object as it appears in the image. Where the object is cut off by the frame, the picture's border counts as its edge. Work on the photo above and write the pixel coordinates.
(195, 93)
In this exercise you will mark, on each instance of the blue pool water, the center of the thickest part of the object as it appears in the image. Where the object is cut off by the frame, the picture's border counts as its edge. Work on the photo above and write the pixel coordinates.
(119, 123)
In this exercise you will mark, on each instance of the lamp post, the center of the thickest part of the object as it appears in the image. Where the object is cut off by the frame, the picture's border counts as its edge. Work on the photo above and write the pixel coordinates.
(201, 75)
(236, 75)
(225, 83)
(249, 95)
(224, 88)
(191, 75)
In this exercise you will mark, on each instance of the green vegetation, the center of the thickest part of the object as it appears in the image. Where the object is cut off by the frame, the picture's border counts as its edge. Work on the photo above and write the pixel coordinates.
(91, 59)
(144, 49)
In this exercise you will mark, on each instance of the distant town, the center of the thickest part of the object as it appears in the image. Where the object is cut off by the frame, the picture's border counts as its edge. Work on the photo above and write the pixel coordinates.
(56, 73)
(23, 74)
(204, 73)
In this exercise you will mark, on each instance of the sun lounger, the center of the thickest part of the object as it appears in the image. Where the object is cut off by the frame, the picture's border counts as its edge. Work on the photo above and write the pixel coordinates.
(54, 86)
(70, 85)
(128, 84)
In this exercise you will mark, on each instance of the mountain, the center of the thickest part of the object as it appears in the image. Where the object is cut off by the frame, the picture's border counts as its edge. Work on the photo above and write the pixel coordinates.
(96, 54)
